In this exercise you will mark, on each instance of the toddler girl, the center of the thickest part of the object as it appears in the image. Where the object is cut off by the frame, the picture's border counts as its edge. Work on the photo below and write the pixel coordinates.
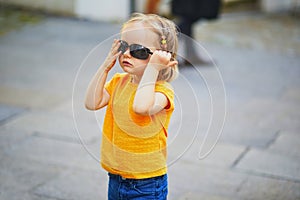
(139, 104)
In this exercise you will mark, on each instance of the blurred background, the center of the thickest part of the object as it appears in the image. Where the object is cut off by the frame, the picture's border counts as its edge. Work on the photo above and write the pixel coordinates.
(234, 133)
(119, 10)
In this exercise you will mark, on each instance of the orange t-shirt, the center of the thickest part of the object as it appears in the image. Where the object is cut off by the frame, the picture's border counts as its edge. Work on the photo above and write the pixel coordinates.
(134, 146)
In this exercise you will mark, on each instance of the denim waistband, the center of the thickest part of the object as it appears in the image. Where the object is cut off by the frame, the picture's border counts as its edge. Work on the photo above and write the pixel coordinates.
(120, 178)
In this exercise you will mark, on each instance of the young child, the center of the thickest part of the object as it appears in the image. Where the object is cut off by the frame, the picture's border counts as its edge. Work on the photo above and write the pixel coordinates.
(139, 105)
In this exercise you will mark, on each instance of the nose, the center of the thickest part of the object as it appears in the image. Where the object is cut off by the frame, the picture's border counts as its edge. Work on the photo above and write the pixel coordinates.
(127, 53)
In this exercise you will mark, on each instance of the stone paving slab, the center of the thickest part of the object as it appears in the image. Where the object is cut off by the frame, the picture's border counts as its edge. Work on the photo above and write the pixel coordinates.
(54, 152)
(256, 73)
(29, 98)
(16, 195)
(197, 179)
(204, 182)
(276, 114)
(55, 126)
(77, 111)
(221, 155)
(22, 175)
(287, 144)
(195, 196)
(70, 186)
(10, 139)
(291, 95)
(260, 121)
(270, 164)
(7, 112)
(251, 135)
(257, 187)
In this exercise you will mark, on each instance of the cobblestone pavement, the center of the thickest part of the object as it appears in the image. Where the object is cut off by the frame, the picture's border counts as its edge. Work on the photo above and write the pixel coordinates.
(256, 157)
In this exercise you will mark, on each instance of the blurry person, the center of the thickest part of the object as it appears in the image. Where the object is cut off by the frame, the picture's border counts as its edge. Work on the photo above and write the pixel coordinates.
(189, 12)
(151, 6)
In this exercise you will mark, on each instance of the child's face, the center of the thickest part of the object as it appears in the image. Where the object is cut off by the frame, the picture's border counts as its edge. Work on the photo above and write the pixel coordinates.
(137, 33)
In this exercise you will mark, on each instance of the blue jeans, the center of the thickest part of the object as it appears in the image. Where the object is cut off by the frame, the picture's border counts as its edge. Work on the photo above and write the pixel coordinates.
(155, 188)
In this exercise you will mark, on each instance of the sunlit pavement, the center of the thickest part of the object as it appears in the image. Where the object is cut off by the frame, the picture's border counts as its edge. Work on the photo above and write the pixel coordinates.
(50, 147)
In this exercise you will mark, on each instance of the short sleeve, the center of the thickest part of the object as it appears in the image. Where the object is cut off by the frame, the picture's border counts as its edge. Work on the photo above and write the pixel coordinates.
(166, 89)
(111, 84)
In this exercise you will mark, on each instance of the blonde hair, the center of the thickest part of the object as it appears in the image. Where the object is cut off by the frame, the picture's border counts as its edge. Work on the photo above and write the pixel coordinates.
(167, 33)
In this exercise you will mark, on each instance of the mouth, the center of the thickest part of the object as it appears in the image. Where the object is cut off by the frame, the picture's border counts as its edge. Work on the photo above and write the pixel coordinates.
(126, 63)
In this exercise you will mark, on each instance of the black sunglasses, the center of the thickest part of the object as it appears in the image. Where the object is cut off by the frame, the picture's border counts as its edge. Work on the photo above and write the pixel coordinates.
(136, 50)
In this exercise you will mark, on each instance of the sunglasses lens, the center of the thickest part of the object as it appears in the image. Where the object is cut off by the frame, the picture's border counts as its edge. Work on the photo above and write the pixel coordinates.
(138, 51)
(140, 54)
(123, 46)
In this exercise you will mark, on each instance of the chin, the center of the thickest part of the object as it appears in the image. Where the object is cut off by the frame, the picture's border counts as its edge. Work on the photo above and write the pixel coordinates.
(126, 69)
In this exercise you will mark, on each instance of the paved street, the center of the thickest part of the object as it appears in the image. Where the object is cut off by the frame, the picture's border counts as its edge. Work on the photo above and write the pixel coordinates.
(49, 144)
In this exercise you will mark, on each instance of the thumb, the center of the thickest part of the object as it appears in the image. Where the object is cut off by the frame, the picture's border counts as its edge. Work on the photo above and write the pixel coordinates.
(172, 63)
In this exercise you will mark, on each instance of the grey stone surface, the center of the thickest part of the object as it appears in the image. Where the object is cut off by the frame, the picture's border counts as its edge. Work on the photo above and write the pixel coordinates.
(196, 196)
(10, 139)
(257, 187)
(29, 98)
(88, 185)
(16, 195)
(194, 151)
(20, 176)
(7, 112)
(270, 164)
(257, 156)
(197, 178)
(56, 126)
(55, 152)
(287, 144)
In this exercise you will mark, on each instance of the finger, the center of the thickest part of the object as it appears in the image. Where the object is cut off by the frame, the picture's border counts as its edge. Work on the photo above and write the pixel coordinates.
(172, 63)
(116, 40)
(115, 46)
(169, 55)
(166, 56)
(119, 53)
(116, 55)
(165, 53)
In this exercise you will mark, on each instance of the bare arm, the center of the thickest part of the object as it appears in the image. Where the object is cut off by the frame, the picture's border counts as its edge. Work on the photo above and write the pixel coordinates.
(96, 96)
(147, 101)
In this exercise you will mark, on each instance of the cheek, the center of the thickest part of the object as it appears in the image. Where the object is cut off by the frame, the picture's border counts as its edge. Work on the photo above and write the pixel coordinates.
(120, 59)
(141, 63)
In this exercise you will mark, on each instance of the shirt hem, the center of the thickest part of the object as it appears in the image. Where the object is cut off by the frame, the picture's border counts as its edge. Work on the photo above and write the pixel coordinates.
(129, 175)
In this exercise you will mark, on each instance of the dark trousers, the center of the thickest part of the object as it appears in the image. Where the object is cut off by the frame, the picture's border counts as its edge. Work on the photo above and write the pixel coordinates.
(186, 24)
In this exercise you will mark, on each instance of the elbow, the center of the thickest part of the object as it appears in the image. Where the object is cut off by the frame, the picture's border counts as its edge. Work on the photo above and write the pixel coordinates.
(88, 107)
(92, 104)
(141, 110)
(91, 107)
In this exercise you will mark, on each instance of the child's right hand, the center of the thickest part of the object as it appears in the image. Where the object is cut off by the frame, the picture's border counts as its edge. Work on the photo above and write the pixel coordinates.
(112, 55)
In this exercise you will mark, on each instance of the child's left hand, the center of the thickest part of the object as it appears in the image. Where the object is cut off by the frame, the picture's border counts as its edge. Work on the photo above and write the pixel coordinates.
(161, 60)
